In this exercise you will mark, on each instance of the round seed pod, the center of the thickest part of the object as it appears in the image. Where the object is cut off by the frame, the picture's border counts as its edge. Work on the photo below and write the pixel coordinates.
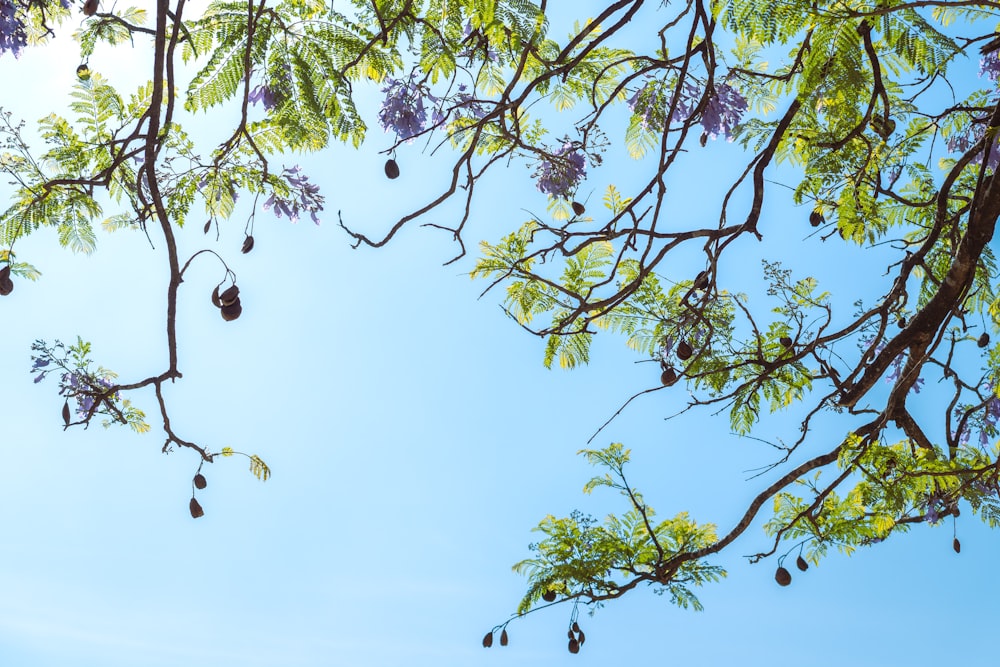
(232, 311)
(957, 546)
(984, 340)
(90, 7)
(684, 351)
(569, 633)
(668, 377)
(801, 563)
(5, 272)
(574, 646)
(391, 169)
(504, 639)
(549, 596)
(578, 208)
(200, 482)
(6, 286)
(816, 219)
(785, 341)
(230, 296)
(783, 576)
(488, 640)
(196, 510)
(901, 323)
(576, 627)
(83, 72)
(247, 245)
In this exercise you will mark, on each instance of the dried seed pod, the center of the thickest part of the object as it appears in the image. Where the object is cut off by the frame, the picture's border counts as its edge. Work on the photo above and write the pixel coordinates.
(232, 311)
(200, 482)
(575, 627)
(230, 296)
(580, 637)
(668, 377)
(578, 208)
(503, 638)
(957, 546)
(785, 341)
(215, 297)
(549, 596)
(83, 72)
(816, 219)
(90, 7)
(5, 272)
(6, 286)
(208, 226)
(703, 139)
(65, 413)
(701, 280)
(574, 646)
(569, 633)
(488, 639)
(196, 510)
(684, 351)
(247, 245)
(391, 168)
(783, 577)
(901, 323)
(801, 563)
(984, 340)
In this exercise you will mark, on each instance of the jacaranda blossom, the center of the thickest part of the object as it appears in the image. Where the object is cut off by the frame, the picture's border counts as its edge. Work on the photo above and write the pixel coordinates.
(560, 174)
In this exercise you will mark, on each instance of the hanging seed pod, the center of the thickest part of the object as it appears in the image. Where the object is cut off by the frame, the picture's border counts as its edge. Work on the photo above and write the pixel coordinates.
(580, 637)
(247, 245)
(200, 482)
(549, 596)
(801, 563)
(575, 627)
(569, 633)
(684, 351)
(901, 323)
(65, 413)
(503, 638)
(230, 296)
(6, 286)
(578, 208)
(574, 646)
(83, 72)
(215, 297)
(391, 168)
(703, 139)
(208, 226)
(984, 340)
(701, 280)
(232, 311)
(783, 577)
(785, 341)
(90, 7)
(816, 219)
(488, 640)
(957, 546)
(668, 377)
(196, 510)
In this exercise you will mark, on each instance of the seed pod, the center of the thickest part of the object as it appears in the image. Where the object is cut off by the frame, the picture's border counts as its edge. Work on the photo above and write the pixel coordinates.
(575, 627)
(549, 596)
(984, 340)
(230, 296)
(503, 638)
(801, 563)
(83, 72)
(247, 245)
(783, 577)
(701, 280)
(90, 7)
(6, 286)
(5, 272)
(574, 646)
(703, 139)
(208, 226)
(65, 413)
(957, 546)
(578, 208)
(668, 377)
(569, 633)
(391, 169)
(232, 311)
(684, 351)
(785, 341)
(901, 323)
(488, 640)
(816, 219)
(580, 637)
(215, 297)
(200, 482)
(196, 510)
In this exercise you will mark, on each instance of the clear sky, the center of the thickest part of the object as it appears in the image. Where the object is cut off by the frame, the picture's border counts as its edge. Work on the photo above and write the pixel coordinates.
(414, 439)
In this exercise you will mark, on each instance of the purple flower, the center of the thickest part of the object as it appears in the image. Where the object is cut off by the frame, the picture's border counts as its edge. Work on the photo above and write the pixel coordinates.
(264, 95)
(403, 108)
(305, 196)
(989, 65)
(969, 136)
(723, 112)
(559, 174)
(13, 37)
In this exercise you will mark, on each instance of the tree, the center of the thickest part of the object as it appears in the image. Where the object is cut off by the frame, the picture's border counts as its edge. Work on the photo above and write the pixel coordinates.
(873, 120)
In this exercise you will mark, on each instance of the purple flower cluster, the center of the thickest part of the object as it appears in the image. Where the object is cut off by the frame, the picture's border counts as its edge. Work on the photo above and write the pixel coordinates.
(722, 113)
(265, 96)
(990, 419)
(403, 108)
(560, 173)
(13, 37)
(466, 105)
(895, 368)
(85, 388)
(989, 65)
(960, 142)
(305, 197)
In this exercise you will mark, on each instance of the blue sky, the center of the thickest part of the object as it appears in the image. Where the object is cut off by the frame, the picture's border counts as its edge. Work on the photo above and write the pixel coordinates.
(414, 439)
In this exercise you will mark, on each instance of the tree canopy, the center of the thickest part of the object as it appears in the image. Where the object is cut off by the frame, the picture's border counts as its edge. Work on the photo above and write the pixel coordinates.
(875, 120)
